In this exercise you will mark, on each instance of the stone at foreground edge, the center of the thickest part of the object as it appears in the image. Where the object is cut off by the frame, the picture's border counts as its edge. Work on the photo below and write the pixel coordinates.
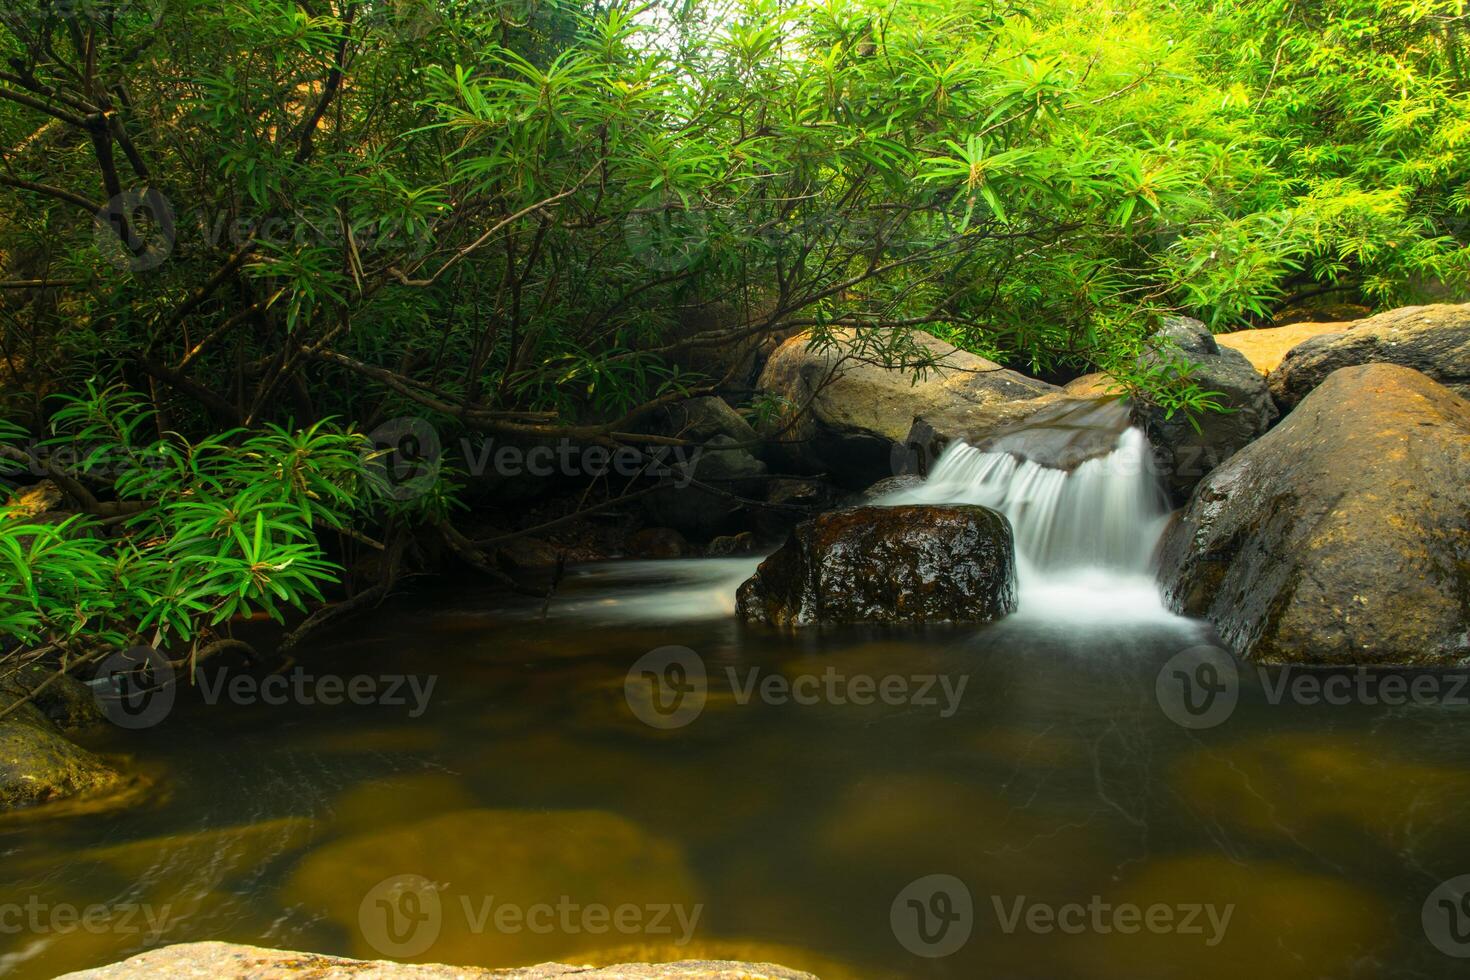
(227, 961)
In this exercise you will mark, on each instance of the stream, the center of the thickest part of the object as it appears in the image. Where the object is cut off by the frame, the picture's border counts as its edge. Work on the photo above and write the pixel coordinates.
(1020, 800)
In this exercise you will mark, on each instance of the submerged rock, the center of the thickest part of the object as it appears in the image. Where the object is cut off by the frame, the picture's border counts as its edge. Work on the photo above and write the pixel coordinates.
(910, 564)
(1354, 796)
(1340, 537)
(483, 861)
(1183, 452)
(862, 412)
(1230, 918)
(229, 961)
(1434, 340)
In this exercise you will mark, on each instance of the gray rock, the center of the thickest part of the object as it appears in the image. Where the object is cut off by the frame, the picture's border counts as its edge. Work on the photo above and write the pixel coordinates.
(793, 500)
(861, 413)
(1342, 536)
(908, 564)
(228, 961)
(1434, 340)
(1184, 454)
(729, 471)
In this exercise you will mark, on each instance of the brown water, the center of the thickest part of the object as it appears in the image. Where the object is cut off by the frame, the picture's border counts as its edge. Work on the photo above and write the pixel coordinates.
(791, 829)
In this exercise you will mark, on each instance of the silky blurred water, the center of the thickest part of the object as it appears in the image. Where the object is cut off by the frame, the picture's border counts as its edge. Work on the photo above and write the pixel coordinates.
(1057, 777)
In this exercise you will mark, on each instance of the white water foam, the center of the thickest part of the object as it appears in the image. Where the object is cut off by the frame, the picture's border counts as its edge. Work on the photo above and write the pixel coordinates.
(1085, 538)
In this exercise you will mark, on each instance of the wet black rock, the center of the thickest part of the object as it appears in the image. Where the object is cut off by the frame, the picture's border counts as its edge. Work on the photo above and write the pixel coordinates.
(909, 564)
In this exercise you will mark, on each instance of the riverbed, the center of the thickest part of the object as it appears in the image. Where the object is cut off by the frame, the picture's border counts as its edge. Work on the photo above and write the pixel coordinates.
(795, 803)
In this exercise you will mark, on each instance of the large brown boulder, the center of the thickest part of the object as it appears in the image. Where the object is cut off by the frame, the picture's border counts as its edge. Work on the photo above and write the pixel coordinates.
(912, 564)
(1434, 340)
(1342, 536)
(1186, 450)
(862, 410)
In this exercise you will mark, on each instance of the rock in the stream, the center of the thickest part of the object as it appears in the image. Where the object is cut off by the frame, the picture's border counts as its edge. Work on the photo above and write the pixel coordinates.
(730, 545)
(657, 542)
(865, 411)
(228, 961)
(1434, 340)
(1183, 453)
(1343, 535)
(39, 765)
(912, 564)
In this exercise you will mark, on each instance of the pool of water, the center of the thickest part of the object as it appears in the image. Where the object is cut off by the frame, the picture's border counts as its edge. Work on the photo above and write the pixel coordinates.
(1019, 798)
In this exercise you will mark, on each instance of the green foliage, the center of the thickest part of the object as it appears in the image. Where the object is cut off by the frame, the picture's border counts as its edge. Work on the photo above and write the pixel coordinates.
(206, 531)
(516, 215)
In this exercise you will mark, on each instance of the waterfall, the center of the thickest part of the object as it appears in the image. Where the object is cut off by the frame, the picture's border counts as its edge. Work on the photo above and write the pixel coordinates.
(1085, 534)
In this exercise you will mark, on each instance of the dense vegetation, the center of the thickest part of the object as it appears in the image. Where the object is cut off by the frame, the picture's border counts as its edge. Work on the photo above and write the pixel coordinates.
(237, 234)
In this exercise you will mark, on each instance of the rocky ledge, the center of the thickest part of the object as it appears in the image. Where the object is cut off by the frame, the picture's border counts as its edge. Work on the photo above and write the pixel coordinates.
(227, 961)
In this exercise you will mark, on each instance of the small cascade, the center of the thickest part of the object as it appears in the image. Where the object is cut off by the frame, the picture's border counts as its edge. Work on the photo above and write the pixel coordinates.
(1085, 533)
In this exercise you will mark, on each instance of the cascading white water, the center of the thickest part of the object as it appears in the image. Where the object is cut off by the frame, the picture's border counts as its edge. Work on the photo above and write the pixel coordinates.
(1085, 537)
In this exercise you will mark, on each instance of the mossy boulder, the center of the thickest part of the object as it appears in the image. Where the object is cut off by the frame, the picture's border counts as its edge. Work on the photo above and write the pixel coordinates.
(1342, 536)
(911, 564)
(39, 765)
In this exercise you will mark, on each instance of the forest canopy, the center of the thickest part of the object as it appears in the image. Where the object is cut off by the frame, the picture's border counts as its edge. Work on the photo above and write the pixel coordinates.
(234, 235)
